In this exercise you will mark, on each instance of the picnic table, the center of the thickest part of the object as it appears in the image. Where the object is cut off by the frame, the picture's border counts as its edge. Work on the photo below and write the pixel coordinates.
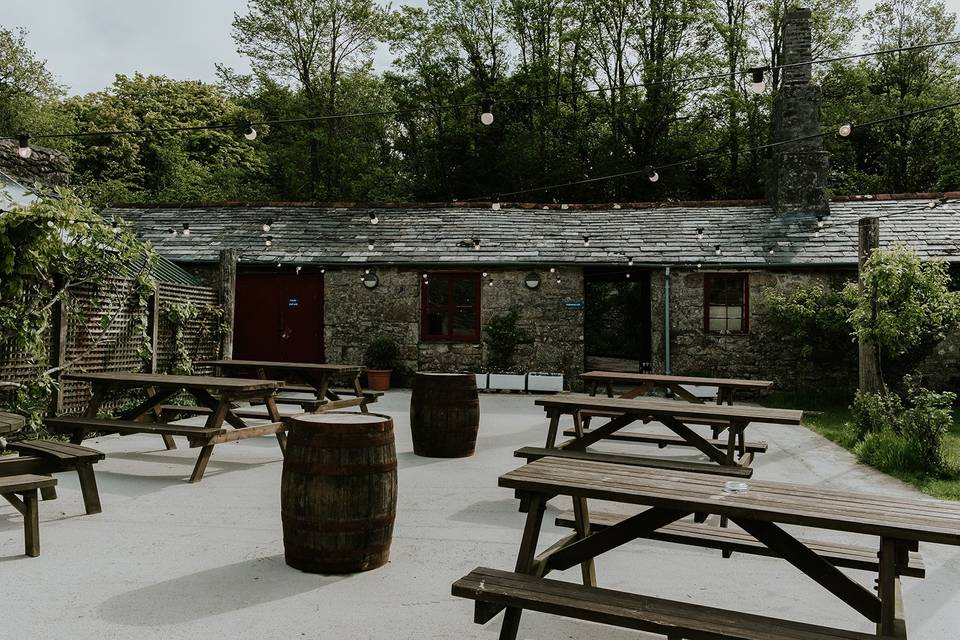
(676, 416)
(10, 423)
(319, 379)
(216, 397)
(644, 383)
(898, 524)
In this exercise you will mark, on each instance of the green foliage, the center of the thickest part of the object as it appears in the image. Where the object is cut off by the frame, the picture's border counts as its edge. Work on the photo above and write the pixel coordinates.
(382, 353)
(813, 316)
(180, 316)
(908, 306)
(905, 433)
(28, 91)
(47, 250)
(502, 336)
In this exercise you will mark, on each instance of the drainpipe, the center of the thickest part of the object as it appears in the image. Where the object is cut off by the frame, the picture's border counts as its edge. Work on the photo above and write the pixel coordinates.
(666, 320)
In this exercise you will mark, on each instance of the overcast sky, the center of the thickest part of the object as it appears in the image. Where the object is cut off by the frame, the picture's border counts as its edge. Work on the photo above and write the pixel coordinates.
(87, 42)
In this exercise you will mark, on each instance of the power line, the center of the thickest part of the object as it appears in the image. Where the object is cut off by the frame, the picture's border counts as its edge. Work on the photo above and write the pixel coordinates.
(486, 103)
(652, 171)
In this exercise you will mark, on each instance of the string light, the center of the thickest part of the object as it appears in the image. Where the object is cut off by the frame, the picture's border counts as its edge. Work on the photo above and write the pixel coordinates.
(757, 83)
(485, 274)
(495, 206)
(186, 228)
(51, 224)
(845, 130)
(323, 270)
(652, 174)
(23, 147)
(298, 269)
(373, 218)
(476, 244)
(629, 261)
(172, 231)
(490, 283)
(268, 241)
(370, 246)
(267, 226)
(115, 225)
(249, 132)
(486, 111)
(553, 269)
(586, 241)
(699, 233)
(716, 249)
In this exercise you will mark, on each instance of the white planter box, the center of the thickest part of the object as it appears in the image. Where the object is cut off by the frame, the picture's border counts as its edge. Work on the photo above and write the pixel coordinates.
(545, 382)
(507, 381)
(481, 381)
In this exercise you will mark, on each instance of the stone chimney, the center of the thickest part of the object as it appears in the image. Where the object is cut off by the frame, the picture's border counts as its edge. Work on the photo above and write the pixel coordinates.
(47, 167)
(798, 172)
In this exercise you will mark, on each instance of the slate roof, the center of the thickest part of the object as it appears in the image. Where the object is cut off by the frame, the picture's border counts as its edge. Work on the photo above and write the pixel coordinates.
(14, 194)
(652, 234)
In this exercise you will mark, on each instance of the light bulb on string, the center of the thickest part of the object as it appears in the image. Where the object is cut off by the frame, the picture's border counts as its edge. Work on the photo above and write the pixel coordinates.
(370, 246)
(845, 130)
(495, 206)
(652, 174)
(819, 222)
(553, 269)
(476, 244)
(757, 83)
(323, 270)
(628, 276)
(698, 265)
(716, 249)
(298, 269)
(279, 265)
(172, 231)
(374, 219)
(268, 241)
(249, 132)
(186, 228)
(266, 226)
(586, 241)
(485, 274)
(490, 283)
(424, 276)
(699, 233)
(51, 224)
(23, 147)
(486, 111)
(630, 261)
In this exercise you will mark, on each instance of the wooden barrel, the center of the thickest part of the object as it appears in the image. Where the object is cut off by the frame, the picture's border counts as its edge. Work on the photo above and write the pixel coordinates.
(444, 415)
(338, 495)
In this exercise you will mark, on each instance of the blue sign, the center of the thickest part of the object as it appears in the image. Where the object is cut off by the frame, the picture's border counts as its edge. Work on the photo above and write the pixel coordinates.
(573, 305)
(293, 302)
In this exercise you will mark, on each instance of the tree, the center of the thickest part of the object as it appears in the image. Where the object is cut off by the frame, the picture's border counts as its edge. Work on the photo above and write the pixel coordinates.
(317, 45)
(28, 91)
(212, 164)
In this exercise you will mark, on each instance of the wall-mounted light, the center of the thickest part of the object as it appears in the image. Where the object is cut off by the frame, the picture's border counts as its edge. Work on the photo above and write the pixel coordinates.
(532, 280)
(370, 280)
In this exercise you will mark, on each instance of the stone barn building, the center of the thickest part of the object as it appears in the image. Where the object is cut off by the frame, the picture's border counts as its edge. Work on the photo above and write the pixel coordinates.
(674, 285)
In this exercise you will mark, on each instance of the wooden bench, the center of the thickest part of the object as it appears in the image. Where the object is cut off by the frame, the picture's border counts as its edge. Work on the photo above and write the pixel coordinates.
(734, 540)
(78, 427)
(43, 457)
(312, 404)
(534, 453)
(666, 440)
(492, 589)
(21, 492)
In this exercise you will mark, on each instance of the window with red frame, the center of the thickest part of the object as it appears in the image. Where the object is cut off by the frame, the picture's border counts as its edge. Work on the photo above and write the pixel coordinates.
(450, 304)
(726, 303)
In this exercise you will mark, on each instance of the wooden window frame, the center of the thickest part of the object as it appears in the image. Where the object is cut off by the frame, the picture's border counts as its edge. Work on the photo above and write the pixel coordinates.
(450, 277)
(708, 282)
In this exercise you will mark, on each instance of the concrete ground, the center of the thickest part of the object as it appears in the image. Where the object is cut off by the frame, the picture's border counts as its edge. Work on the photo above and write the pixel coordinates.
(170, 560)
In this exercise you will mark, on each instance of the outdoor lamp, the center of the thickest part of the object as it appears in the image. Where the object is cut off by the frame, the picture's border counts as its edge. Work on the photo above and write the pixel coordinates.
(845, 130)
(370, 280)
(532, 280)
(23, 147)
(486, 111)
(249, 132)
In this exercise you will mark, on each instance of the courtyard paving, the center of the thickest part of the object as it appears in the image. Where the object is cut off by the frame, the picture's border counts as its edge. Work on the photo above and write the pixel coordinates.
(169, 560)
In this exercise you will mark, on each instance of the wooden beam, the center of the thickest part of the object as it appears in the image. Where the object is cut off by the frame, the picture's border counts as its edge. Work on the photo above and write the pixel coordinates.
(869, 366)
(228, 297)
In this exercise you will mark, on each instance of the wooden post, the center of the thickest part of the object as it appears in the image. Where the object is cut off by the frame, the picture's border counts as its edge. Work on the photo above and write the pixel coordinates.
(869, 364)
(228, 291)
(58, 350)
(153, 329)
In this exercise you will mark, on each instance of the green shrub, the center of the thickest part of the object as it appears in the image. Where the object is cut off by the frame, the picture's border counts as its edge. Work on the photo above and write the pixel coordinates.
(382, 353)
(888, 451)
(503, 335)
(926, 423)
(874, 412)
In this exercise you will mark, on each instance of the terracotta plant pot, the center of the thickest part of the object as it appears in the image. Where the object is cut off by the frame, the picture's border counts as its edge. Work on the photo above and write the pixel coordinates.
(378, 379)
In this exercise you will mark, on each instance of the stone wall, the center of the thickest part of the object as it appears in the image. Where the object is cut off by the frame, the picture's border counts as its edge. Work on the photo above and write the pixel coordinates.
(48, 167)
(756, 354)
(355, 315)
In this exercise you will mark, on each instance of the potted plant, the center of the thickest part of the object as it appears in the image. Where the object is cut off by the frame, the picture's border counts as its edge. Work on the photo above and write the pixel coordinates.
(502, 337)
(540, 381)
(381, 359)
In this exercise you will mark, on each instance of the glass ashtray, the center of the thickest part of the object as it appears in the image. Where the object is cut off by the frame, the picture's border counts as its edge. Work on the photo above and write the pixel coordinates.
(735, 486)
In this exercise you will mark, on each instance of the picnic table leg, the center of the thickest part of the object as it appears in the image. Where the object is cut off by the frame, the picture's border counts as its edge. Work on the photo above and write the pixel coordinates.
(552, 429)
(581, 516)
(274, 413)
(593, 388)
(578, 423)
(48, 493)
(215, 419)
(88, 487)
(31, 523)
(609, 389)
(359, 390)
(96, 400)
(168, 440)
(893, 557)
(525, 557)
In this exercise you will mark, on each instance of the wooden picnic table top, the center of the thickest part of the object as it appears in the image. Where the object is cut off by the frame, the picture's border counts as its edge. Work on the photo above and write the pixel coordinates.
(658, 407)
(909, 519)
(129, 379)
(282, 366)
(642, 378)
(11, 422)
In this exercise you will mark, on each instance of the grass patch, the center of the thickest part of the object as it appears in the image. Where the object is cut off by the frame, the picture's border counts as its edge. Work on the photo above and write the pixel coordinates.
(828, 417)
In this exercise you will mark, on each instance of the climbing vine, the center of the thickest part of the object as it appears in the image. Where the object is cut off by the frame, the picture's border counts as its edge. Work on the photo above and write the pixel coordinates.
(180, 315)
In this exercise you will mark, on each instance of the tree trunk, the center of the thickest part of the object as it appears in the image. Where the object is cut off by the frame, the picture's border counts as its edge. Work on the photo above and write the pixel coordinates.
(870, 380)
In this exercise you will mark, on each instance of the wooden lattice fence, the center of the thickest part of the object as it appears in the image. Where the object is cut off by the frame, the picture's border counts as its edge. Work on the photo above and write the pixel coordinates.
(108, 328)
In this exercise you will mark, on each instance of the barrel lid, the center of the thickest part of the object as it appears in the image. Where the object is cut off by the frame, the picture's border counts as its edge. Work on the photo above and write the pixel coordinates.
(341, 417)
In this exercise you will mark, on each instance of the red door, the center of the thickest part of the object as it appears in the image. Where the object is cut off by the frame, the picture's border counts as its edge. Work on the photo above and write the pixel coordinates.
(279, 318)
